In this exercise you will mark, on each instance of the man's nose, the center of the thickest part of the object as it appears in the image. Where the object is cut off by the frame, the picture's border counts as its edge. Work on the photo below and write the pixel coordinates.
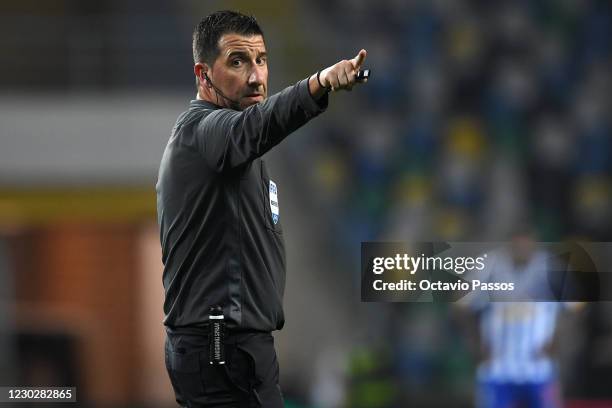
(257, 76)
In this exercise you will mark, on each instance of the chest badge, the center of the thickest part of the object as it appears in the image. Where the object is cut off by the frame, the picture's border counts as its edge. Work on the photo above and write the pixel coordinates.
(274, 202)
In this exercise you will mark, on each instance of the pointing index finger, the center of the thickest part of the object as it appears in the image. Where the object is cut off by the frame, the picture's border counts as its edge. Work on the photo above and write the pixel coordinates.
(358, 60)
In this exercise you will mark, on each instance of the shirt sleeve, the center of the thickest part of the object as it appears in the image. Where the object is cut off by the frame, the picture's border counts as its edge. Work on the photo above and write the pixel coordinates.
(228, 138)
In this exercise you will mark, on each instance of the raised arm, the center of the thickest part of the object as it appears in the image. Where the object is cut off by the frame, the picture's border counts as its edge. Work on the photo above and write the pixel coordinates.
(230, 138)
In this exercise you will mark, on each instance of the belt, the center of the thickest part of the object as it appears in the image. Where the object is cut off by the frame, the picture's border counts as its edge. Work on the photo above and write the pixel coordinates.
(231, 336)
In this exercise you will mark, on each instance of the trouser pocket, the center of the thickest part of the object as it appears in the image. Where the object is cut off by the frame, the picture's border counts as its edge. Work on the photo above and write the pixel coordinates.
(264, 370)
(186, 370)
(183, 362)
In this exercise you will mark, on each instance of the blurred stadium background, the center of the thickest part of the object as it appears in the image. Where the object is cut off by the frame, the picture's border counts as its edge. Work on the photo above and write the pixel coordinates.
(478, 114)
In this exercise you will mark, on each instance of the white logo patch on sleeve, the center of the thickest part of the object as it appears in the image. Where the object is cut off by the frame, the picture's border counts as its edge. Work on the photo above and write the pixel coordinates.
(274, 202)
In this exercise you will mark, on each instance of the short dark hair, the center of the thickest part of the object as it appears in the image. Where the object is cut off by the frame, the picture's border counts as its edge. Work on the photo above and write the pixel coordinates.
(207, 33)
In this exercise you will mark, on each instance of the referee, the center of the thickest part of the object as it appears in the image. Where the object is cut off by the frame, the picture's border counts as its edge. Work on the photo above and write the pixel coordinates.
(219, 217)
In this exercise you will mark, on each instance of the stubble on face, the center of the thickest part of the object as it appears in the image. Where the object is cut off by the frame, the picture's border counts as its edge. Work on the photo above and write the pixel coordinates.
(241, 68)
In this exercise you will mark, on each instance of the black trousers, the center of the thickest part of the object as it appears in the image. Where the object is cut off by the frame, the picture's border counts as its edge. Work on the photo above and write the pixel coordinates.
(248, 379)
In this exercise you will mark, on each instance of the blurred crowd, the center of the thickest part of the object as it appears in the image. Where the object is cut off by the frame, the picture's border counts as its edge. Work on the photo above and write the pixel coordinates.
(479, 116)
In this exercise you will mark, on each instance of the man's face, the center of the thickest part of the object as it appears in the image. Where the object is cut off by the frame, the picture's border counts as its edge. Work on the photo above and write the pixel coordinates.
(241, 70)
(523, 247)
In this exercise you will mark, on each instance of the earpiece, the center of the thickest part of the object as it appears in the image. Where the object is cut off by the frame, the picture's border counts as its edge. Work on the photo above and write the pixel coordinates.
(235, 104)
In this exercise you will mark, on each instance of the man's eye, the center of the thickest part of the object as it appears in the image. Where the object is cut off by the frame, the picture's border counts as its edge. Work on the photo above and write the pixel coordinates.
(236, 62)
(261, 61)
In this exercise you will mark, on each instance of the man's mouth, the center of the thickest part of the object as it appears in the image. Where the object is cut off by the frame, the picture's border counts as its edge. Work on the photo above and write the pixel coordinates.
(255, 96)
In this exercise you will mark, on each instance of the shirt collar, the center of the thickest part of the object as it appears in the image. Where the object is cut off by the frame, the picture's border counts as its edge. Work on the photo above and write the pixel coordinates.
(200, 103)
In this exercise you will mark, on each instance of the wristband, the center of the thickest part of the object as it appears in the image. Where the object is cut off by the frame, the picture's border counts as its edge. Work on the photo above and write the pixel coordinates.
(319, 81)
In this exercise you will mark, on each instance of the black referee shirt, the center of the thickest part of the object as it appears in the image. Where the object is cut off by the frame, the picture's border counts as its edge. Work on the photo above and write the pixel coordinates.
(217, 207)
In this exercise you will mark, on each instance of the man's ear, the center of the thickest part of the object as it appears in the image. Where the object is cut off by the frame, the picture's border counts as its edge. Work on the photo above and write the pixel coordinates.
(200, 69)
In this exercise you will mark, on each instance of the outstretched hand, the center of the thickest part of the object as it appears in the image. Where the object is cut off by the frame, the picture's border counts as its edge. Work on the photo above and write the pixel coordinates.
(343, 74)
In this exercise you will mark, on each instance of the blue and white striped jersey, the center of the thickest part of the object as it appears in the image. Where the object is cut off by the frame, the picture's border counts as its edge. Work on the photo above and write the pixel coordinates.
(516, 332)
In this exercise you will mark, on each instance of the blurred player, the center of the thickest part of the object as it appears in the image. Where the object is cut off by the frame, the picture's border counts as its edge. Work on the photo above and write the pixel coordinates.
(515, 341)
